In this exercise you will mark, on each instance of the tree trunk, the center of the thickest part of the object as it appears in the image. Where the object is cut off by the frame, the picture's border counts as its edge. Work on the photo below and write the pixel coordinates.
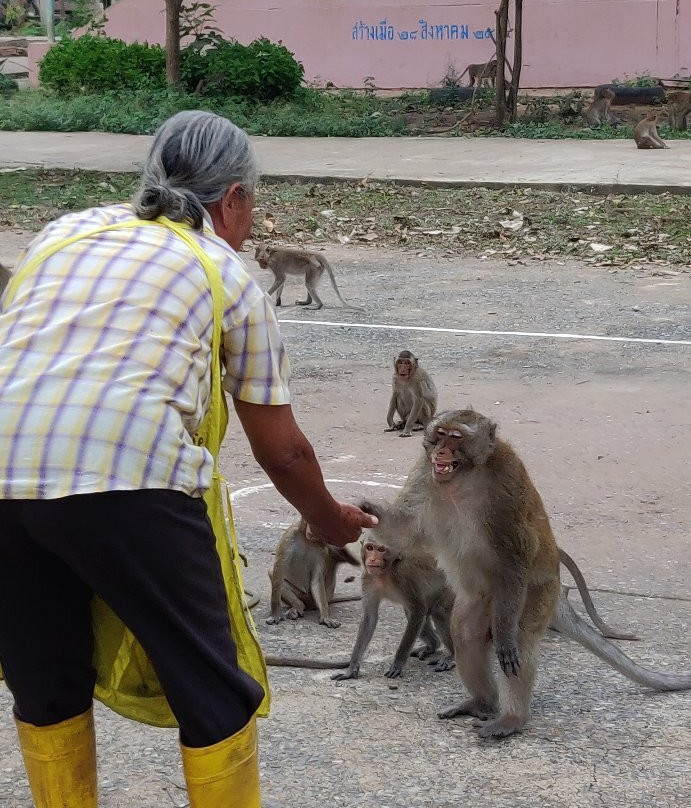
(517, 60)
(502, 16)
(173, 42)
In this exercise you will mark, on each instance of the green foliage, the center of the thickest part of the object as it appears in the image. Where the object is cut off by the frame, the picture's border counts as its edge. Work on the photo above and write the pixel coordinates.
(7, 85)
(645, 80)
(262, 70)
(197, 22)
(99, 64)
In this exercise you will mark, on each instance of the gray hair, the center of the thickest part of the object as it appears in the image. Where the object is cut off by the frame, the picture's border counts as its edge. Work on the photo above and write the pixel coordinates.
(194, 158)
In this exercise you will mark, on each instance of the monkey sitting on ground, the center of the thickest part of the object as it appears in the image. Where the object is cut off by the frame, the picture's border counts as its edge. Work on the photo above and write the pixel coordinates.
(284, 261)
(470, 499)
(598, 113)
(304, 576)
(414, 580)
(679, 108)
(413, 396)
(645, 134)
(5, 276)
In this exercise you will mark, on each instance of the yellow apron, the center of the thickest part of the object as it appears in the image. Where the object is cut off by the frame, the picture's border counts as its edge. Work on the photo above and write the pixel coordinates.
(126, 681)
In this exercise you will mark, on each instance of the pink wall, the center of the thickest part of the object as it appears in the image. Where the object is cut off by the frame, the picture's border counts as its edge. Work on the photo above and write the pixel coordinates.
(566, 42)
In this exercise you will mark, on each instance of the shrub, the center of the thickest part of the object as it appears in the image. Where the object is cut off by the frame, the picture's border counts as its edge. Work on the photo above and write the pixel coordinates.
(261, 71)
(99, 64)
(7, 85)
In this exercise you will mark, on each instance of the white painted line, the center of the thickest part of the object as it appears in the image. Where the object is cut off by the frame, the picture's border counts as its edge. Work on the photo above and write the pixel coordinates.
(536, 334)
(241, 493)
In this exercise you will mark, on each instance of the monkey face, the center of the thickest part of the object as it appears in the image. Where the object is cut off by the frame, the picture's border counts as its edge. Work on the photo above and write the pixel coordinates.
(405, 365)
(456, 441)
(261, 256)
(375, 558)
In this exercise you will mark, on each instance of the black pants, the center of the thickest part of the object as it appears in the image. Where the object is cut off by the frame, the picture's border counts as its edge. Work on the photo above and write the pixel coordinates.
(150, 555)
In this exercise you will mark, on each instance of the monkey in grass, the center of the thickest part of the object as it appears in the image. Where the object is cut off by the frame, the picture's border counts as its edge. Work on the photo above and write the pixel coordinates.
(413, 396)
(470, 500)
(645, 133)
(304, 576)
(599, 113)
(284, 261)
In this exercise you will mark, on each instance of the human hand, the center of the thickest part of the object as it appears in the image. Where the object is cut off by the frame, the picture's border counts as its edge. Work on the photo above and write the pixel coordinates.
(346, 527)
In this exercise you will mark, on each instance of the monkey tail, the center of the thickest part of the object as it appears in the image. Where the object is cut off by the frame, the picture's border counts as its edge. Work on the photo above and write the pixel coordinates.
(577, 575)
(567, 621)
(327, 267)
(296, 662)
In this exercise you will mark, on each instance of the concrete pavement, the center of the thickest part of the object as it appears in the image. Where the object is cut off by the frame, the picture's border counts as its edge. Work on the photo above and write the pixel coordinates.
(597, 165)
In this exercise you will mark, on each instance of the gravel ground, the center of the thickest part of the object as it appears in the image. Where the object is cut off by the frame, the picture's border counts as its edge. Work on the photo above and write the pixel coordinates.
(603, 428)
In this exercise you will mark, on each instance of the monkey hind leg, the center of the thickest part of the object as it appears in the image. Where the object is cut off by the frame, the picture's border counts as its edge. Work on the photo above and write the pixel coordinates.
(430, 642)
(307, 302)
(515, 691)
(311, 279)
(472, 643)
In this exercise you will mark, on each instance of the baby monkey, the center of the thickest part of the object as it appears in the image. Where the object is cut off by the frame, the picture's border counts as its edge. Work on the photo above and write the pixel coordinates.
(304, 576)
(414, 580)
(284, 261)
(413, 396)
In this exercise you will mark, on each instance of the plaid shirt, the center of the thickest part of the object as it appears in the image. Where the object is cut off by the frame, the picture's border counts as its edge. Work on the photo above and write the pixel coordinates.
(104, 360)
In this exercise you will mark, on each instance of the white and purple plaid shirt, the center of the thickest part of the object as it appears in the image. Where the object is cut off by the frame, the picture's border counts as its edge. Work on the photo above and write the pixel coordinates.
(104, 359)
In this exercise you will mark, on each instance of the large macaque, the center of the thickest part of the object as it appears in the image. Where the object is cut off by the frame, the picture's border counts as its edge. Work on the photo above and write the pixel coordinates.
(284, 261)
(679, 102)
(304, 576)
(645, 133)
(599, 113)
(413, 396)
(414, 580)
(471, 501)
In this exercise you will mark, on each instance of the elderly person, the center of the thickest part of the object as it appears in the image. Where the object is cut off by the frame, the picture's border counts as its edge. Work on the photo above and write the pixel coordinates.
(115, 333)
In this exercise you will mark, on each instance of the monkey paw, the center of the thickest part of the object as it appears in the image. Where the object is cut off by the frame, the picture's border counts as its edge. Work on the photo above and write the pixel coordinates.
(292, 614)
(473, 707)
(274, 620)
(329, 622)
(394, 671)
(508, 658)
(406, 435)
(499, 727)
(349, 673)
(445, 663)
(423, 651)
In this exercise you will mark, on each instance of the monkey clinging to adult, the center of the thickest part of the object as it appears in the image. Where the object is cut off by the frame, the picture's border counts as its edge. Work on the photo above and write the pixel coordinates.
(413, 579)
(304, 576)
(471, 500)
(284, 261)
(413, 396)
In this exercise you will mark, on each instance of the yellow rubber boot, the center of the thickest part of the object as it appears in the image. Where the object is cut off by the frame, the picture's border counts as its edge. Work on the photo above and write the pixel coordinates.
(225, 775)
(60, 762)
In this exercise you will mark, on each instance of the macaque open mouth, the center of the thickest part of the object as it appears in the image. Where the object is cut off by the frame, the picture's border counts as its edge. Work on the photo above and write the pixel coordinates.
(445, 468)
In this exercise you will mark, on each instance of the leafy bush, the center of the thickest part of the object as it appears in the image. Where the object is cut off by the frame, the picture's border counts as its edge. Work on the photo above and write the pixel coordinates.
(7, 84)
(261, 71)
(99, 64)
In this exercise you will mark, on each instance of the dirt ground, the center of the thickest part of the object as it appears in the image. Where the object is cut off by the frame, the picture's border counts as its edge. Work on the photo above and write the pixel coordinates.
(603, 427)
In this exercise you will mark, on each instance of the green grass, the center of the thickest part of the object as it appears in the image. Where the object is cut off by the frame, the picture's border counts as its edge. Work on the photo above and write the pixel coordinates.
(312, 113)
(638, 228)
